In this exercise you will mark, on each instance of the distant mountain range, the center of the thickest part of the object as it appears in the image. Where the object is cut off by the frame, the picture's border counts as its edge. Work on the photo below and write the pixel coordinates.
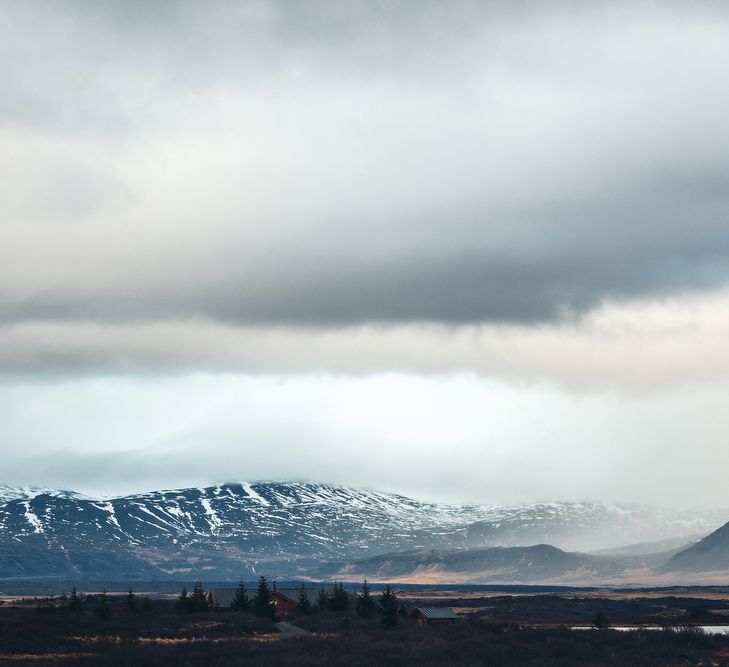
(292, 529)
(541, 563)
(704, 561)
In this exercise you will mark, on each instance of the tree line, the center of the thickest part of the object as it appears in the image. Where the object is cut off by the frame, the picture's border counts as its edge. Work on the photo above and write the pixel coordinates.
(336, 599)
(99, 604)
(258, 602)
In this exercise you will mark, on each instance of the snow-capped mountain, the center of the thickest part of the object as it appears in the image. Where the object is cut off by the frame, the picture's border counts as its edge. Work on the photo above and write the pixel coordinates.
(8, 493)
(288, 528)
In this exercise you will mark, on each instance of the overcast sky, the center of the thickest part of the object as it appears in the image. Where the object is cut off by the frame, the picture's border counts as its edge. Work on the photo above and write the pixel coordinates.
(464, 251)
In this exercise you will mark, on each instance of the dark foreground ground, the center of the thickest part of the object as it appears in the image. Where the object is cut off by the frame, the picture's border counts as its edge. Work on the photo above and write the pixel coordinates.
(498, 630)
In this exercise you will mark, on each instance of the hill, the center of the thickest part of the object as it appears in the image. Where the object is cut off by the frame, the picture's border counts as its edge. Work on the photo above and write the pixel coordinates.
(539, 563)
(710, 554)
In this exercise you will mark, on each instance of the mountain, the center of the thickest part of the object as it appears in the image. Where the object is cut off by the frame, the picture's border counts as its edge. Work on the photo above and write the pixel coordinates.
(287, 528)
(674, 544)
(710, 554)
(540, 563)
(590, 526)
(8, 493)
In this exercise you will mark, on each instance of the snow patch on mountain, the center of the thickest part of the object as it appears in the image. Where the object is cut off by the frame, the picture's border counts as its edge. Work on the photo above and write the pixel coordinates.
(232, 529)
(109, 508)
(213, 519)
(253, 494)
(32, 518)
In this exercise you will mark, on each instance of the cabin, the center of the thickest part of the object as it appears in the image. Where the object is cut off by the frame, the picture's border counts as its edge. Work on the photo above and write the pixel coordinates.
(283, 603)
(222, 597)
(284, 599)
(435, 615)
(292, 594)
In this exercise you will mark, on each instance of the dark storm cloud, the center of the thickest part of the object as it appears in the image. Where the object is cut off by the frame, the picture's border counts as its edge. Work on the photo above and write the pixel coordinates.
(350, 163)
(555, 265)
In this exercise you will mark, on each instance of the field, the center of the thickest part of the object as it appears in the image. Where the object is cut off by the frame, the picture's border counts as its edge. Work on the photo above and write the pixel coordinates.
(497, 629)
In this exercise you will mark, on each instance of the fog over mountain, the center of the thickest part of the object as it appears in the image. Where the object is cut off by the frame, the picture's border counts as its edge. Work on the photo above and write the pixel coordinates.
(290, 529)
(473, 252)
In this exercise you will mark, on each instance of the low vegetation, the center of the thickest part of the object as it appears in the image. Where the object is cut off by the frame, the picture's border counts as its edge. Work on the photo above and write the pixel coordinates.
(358, 630)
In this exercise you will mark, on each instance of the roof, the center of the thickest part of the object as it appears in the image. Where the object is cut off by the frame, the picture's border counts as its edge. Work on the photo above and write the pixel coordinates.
(223, 596)
(293, 594)
(437, 613)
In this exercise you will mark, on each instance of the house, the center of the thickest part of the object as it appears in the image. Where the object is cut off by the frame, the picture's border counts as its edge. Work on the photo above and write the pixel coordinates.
(284, 599)
(222, 597)
(284, 603)
(434, 615)
(292, 594)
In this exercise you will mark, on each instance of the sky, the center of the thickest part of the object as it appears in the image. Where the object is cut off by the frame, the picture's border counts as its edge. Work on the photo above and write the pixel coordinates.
(464, 251)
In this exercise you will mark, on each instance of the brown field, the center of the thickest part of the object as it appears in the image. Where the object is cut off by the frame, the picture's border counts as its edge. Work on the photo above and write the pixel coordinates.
(496, 629)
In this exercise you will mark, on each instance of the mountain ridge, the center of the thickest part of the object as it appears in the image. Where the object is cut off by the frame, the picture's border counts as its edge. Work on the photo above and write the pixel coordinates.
(710, 554)
(287, 528)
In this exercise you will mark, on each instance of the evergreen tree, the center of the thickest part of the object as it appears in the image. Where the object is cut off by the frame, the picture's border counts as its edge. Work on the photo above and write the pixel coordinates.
(74, 602)
(131, 600)
(103, 608)
(241, 600)
(339, 598)
(262, 605)
(304, 603)
(146, 604)
(388, 607)
(183, 598)
(365, 605)
(322, 599)
(197, 601)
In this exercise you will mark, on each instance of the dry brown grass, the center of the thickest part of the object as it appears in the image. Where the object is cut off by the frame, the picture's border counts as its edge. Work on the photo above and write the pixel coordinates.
(442, 596)
(43, 657)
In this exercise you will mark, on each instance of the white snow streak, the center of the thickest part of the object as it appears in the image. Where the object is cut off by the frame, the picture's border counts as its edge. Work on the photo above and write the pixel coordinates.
(108, 507)
(32, 519)
(213, 518)
(253, 495)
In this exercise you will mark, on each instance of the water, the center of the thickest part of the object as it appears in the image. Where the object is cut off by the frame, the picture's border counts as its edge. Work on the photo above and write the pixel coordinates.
(708, 629)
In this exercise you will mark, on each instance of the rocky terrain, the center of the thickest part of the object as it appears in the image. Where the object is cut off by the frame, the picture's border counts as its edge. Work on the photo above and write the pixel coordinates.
(293, 528)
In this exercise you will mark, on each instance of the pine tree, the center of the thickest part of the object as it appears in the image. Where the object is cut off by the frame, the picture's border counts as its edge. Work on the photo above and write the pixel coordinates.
(339, 598)
(388, 607)
(262, 605)
(322, 599)
(74, 602)
(241, 600)
(198, 601)
(103, 608)
(304, 603)
(365, 606)
(183, 598)
(131, 600)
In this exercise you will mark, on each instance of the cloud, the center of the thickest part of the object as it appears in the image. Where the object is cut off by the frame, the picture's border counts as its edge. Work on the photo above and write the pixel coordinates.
(494, 229)
(365, 165)
(640, 346)
(459, 438)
